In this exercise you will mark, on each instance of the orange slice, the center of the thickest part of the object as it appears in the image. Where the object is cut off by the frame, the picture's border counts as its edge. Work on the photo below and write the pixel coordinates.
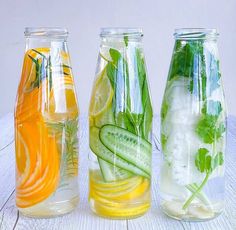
(38, 176)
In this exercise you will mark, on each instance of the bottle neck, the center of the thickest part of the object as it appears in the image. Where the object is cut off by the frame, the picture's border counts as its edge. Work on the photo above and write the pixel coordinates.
(41, 42)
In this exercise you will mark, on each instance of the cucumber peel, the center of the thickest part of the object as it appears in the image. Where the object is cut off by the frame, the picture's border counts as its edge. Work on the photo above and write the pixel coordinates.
(128, 146)
(102, 152)
(111, 172)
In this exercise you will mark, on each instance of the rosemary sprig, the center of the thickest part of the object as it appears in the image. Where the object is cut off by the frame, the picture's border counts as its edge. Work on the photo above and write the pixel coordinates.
(66, 133)
(45, 69)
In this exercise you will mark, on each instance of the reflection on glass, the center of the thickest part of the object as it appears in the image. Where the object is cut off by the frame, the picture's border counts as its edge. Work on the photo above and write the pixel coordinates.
(46, 127)
(193, 129)
(120, 121)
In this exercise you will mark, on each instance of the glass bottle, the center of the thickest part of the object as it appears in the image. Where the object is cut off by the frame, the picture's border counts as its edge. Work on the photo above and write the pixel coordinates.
(120, 125)
(193, 129)
(46, 127)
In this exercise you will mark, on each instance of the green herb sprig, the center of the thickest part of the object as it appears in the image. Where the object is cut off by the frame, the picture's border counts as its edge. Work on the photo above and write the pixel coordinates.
(118, 68)
(208, 128)
(205, 163)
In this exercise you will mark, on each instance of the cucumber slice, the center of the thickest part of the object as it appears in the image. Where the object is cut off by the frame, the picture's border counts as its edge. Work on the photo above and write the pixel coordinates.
(128, 146)
(105, 154)
(111, 172)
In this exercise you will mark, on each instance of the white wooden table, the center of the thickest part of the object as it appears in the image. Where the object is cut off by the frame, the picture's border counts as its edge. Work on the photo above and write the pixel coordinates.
(82, 218)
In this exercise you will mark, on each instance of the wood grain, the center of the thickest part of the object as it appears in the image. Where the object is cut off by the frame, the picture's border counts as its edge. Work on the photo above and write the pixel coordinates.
(82, 218)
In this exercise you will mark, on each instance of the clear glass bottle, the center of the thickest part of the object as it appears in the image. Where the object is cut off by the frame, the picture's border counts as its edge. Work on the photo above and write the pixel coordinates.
(46, 127)
(120, 121)
(193, 129)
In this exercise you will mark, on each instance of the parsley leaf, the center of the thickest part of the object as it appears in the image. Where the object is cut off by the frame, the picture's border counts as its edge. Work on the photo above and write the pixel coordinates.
(191, 59)
(203, 160)
(207, 127)
(205, 163)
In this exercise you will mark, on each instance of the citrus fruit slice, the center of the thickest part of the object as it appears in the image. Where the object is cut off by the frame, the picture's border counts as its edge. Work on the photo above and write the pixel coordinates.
(101, 95)
(37, 170)
(62, 100)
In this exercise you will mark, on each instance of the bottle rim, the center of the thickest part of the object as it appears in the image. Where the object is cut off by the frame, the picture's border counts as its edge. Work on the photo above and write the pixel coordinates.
(49, 32)
(196, 33)
(121, 32)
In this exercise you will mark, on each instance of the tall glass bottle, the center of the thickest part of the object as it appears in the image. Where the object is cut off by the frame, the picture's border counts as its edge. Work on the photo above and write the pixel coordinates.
(193, 129)
(120, 121)
(46, 127)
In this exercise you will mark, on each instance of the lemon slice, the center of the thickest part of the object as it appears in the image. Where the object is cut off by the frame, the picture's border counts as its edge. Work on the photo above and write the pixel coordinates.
(101, 96)
(62, 101)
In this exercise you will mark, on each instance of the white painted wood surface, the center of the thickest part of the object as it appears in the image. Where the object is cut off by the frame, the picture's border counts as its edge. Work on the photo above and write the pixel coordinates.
(82, 218)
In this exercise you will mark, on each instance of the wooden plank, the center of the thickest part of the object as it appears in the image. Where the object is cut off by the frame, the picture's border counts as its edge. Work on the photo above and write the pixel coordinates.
(82, 217)
(7, 130)
(7, 173)
(227, 220)
(9, 214)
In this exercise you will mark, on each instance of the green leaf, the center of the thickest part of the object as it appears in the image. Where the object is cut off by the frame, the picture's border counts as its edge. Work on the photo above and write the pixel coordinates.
(115, 55)
(203, 160)
(164, 109)
(218, 160)
(111, 73)
(192, 60)
(208, 127)
(146, 100)
(126, 40)
(183, 58)
(212, 108)
(163, 141)
(36, 51)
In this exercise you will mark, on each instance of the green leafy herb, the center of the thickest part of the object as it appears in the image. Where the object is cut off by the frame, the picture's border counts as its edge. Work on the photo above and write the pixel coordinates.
(205, 163)
(118, 74)
(163, 141)
(126, 40)
(212, 108)
(208, 128)
(183, 59)
(71, 147)
(203, 160)
(44, 69)
(146, 100)
(191, 59)
(115, 55)
(111, 73)
(164, 109)
(67, 135)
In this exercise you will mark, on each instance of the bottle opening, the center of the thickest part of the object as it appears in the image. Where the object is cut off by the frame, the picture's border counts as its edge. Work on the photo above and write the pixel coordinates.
(121, 32)
(195, 34)
(50, 32)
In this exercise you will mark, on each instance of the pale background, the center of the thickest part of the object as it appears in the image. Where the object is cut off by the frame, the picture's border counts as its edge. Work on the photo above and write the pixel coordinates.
(84, 19)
